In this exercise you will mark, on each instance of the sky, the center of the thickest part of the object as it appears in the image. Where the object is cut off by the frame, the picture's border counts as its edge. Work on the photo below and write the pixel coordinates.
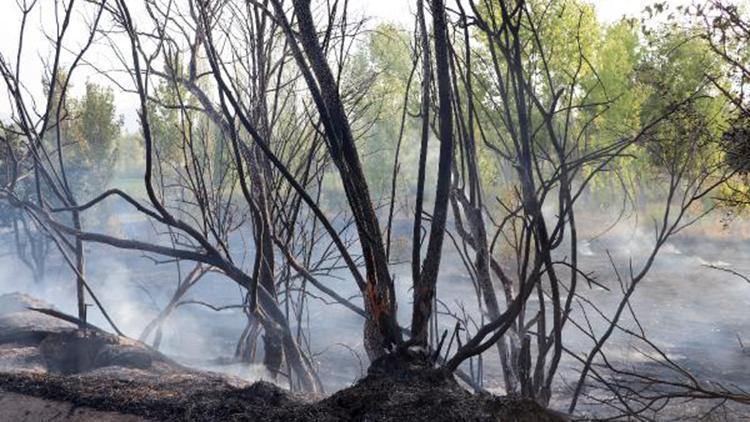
(379, 10)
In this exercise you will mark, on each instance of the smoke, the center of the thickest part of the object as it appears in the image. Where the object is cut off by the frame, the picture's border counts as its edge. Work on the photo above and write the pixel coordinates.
(693, 312)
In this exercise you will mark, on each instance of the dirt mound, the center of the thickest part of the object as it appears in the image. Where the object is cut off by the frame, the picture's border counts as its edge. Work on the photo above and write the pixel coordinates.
(425, 394)
(74, 352)
(30, 327)
(36, 341)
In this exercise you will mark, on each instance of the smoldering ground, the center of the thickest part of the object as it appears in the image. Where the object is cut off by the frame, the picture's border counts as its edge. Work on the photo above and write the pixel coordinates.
(696, 315)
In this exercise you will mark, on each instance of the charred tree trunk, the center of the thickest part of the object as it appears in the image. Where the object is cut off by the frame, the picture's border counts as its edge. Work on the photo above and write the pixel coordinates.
(476, 236)
(264, 263)
(425, 285)
(424, 110)
(80, 269)
(381, 329)
(264, 266)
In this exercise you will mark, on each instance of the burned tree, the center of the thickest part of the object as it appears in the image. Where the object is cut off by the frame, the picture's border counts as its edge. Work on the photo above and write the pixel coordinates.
(41, 133)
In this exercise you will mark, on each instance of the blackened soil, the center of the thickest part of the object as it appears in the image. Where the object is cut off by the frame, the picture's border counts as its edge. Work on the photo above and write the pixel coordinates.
(425, 395)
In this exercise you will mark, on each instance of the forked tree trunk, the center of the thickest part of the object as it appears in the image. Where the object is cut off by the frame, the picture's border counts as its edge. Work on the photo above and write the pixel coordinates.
(425, 285)
(381, 329)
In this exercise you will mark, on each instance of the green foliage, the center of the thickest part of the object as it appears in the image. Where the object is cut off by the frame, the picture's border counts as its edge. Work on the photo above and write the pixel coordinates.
(87, 130)
(9, 148)
(676, 71)
(94, 130)
(165, 123)
(383, 66)
(570, 33)
(628, 77)
(614, 87)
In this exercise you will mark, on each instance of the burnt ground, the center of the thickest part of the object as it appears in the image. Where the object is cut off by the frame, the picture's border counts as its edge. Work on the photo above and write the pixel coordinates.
(427, 395)
(45, 358)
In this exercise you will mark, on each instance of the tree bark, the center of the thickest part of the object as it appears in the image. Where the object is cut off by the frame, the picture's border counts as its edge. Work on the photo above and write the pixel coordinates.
(425, 286)
(381, 330)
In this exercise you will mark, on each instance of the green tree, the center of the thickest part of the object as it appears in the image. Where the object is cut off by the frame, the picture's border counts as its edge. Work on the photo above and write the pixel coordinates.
(94, 130)
(165, 123)
(676, 73)
(385, 63)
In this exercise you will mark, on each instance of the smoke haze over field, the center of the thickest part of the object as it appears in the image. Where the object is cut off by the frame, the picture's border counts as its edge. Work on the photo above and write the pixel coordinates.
(673, 304)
